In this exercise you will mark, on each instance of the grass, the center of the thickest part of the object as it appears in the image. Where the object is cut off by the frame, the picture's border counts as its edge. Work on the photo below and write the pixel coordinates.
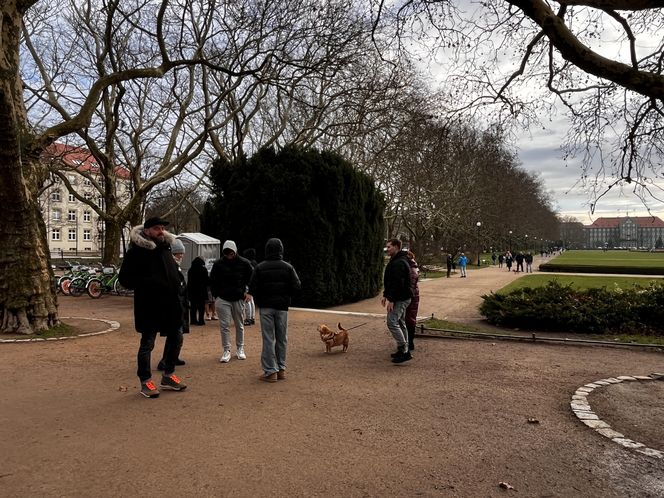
(580, 282)
(611, 258)
(62, 330)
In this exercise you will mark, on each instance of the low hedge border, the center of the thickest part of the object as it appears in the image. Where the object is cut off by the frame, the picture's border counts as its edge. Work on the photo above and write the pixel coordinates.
(622, 270)
(560, 308)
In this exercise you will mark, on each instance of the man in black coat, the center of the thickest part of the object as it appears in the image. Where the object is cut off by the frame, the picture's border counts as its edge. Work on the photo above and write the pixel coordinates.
(150, 270)
(396, 297)
(273, 283)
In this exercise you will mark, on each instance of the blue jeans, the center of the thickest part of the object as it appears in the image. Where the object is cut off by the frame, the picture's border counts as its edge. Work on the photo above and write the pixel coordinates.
(228, 311)
(274, 329)
(396, 324)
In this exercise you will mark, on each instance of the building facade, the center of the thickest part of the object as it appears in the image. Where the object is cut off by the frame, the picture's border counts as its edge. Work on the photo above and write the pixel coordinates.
(73, 227)
(642, 232)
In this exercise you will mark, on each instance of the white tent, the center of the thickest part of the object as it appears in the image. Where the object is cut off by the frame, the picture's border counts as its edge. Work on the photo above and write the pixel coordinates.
(199, 245)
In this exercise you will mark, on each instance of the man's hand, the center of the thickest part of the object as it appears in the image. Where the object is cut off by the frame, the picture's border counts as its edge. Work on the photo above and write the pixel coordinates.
(247, 297)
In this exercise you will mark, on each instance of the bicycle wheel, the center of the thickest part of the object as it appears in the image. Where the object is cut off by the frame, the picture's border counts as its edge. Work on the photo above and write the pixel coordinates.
(63, 284)
(94, 288)
(120, 290)
(77, 286)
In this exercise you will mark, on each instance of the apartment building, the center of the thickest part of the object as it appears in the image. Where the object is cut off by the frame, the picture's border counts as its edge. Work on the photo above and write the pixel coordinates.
(73, 227)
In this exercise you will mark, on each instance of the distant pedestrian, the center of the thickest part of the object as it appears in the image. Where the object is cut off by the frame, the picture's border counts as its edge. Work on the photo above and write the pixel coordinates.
(508, 260)
(519, 261)
(396, 298)
(501, 258)
(272, 284)
(411, 310)
(494, 257)
(528, 258)
(449, 261)
(463, 262)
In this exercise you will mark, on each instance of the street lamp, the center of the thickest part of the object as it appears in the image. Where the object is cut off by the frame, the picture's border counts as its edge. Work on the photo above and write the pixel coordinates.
(510, 232)
(479, 249)
(526, 242)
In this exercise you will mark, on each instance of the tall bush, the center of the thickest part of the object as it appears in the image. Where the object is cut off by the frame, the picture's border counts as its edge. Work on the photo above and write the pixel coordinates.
(329, 216)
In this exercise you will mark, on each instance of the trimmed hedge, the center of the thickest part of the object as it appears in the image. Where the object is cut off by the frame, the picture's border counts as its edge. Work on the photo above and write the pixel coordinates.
(622, 270)
(556, 307)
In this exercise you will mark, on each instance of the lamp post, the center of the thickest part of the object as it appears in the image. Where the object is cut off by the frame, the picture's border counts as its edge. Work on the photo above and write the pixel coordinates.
(526, 236)
(479, 249)
(510, 232)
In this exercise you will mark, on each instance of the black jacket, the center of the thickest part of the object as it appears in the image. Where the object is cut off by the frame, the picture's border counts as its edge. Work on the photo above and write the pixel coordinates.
(396, 279)
(274, 281)
(229, 278)
(150, 270)
(198, 281)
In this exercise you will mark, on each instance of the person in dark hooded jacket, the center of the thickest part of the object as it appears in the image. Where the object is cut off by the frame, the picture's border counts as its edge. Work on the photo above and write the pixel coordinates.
(272, 285)
(150, 270)
(397, 294)
(197, 290)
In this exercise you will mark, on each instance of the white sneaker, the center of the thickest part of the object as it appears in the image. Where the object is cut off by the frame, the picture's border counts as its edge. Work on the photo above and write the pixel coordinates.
(240, 353)
(226, 357)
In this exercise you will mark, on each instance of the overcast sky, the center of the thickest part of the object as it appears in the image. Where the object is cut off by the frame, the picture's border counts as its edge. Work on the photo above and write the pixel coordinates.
(540, 153)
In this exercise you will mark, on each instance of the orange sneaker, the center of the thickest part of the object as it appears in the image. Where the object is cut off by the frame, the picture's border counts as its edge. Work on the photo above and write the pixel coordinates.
(149, 390)
(173, 383)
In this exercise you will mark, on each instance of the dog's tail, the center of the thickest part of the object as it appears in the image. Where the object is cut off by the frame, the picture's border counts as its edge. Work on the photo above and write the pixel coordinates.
(339, 326)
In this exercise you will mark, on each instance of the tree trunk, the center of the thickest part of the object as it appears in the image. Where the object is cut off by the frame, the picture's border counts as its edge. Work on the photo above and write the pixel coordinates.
(112, 237)
(27, 296)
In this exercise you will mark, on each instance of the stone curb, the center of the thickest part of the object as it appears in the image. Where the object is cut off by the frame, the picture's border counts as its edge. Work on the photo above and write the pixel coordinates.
(113, 325)
(581, 408)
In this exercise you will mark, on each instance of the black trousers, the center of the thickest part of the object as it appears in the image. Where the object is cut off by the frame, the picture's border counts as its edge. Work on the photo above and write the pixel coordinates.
(171, 353)
(197, 313)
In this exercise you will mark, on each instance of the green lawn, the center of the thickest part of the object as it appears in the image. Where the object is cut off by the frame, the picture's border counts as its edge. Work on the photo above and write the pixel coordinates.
(611, 258)
(578, 281)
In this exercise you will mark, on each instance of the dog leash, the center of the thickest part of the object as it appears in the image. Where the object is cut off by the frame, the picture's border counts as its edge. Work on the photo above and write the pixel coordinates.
(356, 326)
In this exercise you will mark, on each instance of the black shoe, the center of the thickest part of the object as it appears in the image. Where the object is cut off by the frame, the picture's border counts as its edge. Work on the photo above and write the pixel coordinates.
(396, 353)
(180, 362)
(161, 367)
(401, 357)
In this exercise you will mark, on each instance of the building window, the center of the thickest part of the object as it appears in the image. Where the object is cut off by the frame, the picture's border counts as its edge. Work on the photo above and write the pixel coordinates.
(87, 234)
(55, 195)
(55, 234)
(72, 234)
(87, 182)
(100, 201)
(71, 215)
(87, 196)
(56, 215)
(87, 216)
(72, 198)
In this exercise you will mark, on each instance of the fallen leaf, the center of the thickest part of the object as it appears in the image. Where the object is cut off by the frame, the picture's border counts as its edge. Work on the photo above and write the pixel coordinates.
(505, 485)
(122, 389)
(533, 421)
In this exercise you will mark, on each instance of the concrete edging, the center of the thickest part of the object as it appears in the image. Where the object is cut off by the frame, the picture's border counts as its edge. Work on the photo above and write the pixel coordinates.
(581, 408)
(113, 325)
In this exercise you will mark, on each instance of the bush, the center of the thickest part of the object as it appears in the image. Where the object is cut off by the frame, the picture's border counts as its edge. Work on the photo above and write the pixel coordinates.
(556, 307)
(328, 215)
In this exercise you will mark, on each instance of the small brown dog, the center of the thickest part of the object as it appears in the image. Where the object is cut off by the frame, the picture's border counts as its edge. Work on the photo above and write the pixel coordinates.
(333, 338)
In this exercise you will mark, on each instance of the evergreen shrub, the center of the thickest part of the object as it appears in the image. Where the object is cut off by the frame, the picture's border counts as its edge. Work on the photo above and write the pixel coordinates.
(556, 307)
(328, 215)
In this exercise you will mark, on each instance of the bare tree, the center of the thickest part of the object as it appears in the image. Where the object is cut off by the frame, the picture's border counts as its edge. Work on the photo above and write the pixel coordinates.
(598, 59)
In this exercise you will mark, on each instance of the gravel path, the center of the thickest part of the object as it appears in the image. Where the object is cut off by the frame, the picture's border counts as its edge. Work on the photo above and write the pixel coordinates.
(455, 421)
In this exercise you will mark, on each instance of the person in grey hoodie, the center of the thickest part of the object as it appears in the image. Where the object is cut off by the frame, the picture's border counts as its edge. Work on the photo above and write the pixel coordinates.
(272, 285)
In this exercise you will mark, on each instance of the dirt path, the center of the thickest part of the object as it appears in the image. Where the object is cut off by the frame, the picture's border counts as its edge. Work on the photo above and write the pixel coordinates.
(452, 422)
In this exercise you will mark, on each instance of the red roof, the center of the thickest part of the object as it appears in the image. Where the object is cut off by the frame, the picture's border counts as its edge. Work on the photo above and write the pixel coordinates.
(80, 158)
(641, 222)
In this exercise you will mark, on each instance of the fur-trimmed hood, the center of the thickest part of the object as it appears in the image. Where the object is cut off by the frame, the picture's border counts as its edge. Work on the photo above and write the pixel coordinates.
(138, 238)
